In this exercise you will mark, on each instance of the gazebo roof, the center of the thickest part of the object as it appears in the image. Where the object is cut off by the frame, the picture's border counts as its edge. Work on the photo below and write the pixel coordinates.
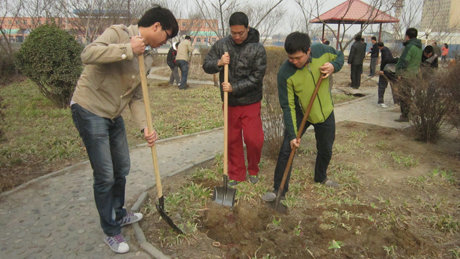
(354, 11)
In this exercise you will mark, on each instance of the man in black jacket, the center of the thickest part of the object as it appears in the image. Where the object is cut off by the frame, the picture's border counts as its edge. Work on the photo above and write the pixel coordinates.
(374, 56)
(387, 58)
(247, 61)
(171, 61)
(355, 60)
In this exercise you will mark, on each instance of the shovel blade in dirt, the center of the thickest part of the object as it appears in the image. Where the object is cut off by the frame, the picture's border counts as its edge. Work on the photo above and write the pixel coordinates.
(224, 195)
(161, 209)
(145, 92)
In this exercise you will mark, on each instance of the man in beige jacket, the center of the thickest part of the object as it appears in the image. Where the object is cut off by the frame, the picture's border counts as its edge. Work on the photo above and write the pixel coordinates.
(109, 83)
(184, 51)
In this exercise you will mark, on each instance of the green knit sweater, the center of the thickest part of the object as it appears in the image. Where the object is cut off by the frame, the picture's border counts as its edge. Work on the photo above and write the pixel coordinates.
(296, 86)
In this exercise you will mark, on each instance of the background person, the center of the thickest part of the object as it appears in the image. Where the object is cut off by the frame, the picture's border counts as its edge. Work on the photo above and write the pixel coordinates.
(386, 58)
(374, 55)
(184, 52)
(407, 69)
(355, 61)
(172, 64)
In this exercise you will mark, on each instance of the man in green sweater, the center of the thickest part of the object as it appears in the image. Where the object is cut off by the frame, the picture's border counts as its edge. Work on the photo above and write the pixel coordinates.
(407, 69)
(297, 78)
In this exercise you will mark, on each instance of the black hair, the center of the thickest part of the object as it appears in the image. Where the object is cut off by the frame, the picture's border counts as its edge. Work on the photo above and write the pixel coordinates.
(162, 15)
(428, 49)
(411, 33)
(374, 38)
(239, 18)
(326, 42)
(380, 44)
(447, 46)
(188, 37)
(297, 41)
(358, 37)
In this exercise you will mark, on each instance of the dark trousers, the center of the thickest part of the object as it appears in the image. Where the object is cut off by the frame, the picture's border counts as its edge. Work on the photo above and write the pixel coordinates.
(373, 65)
(183, 66)
(107, 148)
(174, 75)
(356, 71)
(383, 83)
(324, 135)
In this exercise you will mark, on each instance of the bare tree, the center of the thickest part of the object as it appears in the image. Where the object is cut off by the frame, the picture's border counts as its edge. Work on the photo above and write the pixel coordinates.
(9, 9)
(217, 9)
(265, 17)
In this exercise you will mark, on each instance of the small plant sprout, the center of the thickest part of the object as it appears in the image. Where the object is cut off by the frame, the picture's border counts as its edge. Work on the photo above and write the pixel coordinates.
(335, 245)
(276, 221)
(390, 250)
(298, 229)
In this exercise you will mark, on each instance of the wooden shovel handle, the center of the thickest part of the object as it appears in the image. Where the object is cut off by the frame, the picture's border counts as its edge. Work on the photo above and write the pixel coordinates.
(145, 93)
(226, 123)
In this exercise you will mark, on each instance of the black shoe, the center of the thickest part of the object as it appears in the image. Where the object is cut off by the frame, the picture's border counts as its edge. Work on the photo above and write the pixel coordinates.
(402, 119)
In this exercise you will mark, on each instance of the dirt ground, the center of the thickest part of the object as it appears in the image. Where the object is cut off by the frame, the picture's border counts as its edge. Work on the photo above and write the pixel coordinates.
(398, 199)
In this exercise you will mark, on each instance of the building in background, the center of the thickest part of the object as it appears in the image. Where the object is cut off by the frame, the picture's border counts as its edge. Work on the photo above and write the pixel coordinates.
(441, 15)
(202, 31)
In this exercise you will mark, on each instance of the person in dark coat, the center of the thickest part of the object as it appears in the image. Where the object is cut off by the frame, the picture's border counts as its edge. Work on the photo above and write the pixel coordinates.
(247, 62)
(171, 61)
(374, 56)
(355, 61)
(387, 58)
(429, 58)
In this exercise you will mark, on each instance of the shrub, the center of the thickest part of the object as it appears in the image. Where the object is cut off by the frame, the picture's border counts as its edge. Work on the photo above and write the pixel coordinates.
(7, 67)
(272, 115)
(452, 85)
(2, 117)
(430, 103)
(50, 57)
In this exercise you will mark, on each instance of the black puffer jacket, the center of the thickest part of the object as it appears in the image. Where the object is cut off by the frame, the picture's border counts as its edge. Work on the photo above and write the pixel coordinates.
(248, 62)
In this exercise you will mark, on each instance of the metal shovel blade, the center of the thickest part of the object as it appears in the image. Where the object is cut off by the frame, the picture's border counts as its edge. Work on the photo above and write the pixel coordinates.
(224, 195)
(161, 209)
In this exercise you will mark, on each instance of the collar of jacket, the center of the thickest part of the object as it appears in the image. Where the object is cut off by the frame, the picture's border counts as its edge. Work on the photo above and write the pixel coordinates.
(253, 37)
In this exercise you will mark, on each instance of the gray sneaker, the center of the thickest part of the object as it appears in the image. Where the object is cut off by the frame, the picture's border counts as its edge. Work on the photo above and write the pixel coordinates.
(330, 183)
(130, 218)
(232, 183)
(271, 196)
(254, 179)
(117, 243)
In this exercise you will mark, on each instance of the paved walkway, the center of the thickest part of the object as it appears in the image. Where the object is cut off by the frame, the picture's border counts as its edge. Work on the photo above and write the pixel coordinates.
(55, 216)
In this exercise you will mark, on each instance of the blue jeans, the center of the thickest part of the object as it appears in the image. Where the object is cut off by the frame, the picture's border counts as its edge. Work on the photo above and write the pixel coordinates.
(183, 66)
(325, 136)
(107, 148)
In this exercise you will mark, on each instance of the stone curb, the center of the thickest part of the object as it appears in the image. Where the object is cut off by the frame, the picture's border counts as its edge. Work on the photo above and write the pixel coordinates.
(69, 168)
(138, 232)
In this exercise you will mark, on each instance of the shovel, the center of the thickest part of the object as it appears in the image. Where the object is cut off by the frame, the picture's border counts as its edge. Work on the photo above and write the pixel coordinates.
(161, 203)
(299, 134)
(225, 195)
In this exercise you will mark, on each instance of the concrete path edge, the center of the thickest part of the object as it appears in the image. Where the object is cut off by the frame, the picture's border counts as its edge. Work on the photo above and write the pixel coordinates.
(138, 232)
(69, 168)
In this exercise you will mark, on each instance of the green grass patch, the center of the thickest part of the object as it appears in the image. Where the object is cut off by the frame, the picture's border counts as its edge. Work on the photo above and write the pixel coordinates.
(38, 135)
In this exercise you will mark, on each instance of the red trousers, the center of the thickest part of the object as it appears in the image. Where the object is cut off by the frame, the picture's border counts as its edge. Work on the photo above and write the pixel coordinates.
(244, 122)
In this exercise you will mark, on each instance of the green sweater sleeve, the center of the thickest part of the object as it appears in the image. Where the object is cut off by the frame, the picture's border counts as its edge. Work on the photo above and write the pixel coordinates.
(287, 100)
